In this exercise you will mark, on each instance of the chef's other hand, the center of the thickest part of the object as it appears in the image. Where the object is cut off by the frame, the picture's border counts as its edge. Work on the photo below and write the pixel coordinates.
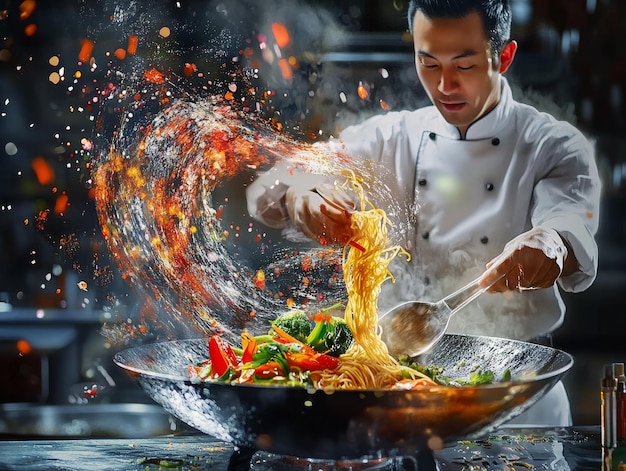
(322, 213)
(532, 260)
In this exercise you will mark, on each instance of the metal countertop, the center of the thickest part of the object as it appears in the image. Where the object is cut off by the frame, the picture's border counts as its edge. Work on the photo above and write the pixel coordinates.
(576, 448)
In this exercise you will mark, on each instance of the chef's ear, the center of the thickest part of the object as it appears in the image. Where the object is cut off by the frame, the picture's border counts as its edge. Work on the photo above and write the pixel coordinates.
(507, 55)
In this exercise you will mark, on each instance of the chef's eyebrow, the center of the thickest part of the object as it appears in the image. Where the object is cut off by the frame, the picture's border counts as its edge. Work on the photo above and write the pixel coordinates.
(465, 53)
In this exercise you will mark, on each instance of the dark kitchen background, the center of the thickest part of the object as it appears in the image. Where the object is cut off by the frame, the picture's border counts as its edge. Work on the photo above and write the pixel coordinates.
(66, 69)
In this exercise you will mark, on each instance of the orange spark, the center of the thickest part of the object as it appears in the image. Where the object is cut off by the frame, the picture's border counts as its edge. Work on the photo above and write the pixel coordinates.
(27, 7)
(61, 204)
(120, 53)
(43, 171)
(154, 76)
(86, 48)
(30, 30)
(189, 69)
(23, 347)
(259, 279)
(362, 91)
(132, 45)
(285, 69)
(281, 35)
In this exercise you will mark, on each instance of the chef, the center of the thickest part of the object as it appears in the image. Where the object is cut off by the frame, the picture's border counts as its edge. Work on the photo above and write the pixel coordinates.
(493, 183)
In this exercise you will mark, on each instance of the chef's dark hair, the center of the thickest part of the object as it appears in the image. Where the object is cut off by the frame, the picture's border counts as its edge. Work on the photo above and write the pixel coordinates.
(496, 16)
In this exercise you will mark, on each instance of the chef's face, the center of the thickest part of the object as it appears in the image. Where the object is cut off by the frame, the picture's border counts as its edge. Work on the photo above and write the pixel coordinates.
(456, 66)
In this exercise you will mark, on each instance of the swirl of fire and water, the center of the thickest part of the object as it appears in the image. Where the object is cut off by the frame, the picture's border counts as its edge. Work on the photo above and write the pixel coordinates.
(154, 193)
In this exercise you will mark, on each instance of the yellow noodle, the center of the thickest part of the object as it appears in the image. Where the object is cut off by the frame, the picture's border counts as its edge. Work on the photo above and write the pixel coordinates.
(367, 363)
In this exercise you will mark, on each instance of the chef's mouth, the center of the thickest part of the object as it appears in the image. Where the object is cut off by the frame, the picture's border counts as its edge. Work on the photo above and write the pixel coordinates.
(452, 107)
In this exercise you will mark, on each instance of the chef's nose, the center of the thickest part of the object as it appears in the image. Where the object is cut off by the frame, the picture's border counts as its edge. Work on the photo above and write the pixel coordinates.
(448, 80)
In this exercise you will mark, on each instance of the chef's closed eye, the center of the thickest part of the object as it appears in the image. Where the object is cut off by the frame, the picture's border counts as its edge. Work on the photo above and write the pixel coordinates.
(427, 62)
(465, 65)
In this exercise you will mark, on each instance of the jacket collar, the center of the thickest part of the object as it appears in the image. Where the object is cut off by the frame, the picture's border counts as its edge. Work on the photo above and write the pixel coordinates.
(485, 127)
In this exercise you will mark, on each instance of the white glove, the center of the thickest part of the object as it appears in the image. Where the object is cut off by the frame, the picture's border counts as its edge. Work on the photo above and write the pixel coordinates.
(532, 260)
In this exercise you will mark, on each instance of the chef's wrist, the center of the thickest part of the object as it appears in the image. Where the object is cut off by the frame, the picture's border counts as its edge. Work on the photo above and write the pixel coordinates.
(570, 262)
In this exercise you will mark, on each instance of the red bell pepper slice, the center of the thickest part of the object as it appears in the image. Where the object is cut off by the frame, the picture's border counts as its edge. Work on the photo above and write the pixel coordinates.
(268, 370)
(222, 356)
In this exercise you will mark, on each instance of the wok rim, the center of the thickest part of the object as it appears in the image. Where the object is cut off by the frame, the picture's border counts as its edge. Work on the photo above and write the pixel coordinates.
(181, 378)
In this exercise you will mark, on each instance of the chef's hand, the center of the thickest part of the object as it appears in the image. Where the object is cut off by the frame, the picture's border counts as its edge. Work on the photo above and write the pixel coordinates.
(533, 260)
(322, 213)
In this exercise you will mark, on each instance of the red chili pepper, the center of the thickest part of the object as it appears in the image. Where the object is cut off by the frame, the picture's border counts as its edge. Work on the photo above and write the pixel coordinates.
(357, 246)
(319, 361)
(222, 356)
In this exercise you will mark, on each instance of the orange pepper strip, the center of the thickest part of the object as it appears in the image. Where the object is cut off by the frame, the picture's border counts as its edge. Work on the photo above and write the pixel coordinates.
(320, 361)
(285, 336)
(249, 345)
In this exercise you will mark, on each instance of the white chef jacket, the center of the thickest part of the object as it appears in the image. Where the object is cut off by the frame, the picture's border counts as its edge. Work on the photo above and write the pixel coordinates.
(516, 169)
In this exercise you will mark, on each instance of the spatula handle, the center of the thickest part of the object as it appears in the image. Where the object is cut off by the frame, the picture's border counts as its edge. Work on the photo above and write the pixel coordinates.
(463, 296)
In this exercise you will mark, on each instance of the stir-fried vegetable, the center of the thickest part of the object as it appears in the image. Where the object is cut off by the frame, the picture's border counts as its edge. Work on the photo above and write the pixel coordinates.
(296, 347)
(283, 356)
(437, 374)
(330, 335)
(297, 324)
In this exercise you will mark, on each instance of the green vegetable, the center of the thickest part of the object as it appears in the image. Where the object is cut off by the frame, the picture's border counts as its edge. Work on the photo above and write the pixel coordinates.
(436, 374)
(480, 377)
(269, 352)
(296, 323)
(506, 376)
(331, 335)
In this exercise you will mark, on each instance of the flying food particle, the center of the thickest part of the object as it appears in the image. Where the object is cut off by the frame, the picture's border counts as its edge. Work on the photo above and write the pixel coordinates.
(132, 45)
(86, 49)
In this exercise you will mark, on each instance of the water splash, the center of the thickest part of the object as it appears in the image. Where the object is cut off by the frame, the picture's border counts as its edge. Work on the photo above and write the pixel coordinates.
(170, 200)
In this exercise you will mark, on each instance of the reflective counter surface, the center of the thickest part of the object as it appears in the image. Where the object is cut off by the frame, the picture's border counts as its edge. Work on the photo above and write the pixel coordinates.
(576, 448)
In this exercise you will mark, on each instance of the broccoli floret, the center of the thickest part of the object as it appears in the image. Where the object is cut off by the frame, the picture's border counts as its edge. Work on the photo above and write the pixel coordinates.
(339, 339)
(296, 323)
(331, 335)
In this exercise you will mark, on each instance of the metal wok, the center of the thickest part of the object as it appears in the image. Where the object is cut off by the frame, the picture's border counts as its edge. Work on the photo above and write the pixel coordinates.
(344, 424)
